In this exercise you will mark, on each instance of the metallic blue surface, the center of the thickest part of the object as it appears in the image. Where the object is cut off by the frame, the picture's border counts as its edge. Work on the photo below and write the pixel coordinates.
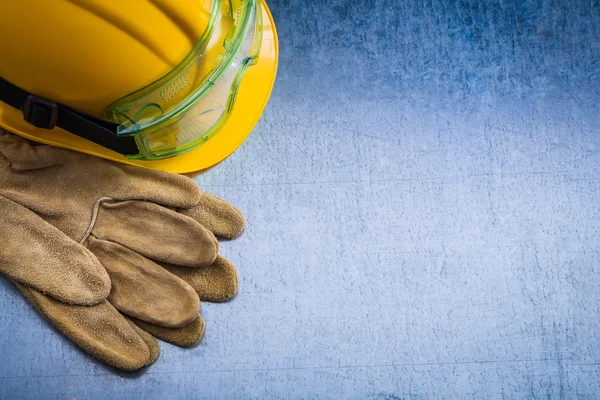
(423, 206)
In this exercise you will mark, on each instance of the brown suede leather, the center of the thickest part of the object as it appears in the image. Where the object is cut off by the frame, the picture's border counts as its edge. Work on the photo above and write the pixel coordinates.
(98, 329)
(95, 245)
(213, 283)
(186, 336)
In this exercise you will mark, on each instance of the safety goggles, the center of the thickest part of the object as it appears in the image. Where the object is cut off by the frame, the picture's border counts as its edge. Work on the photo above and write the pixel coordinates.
(176, 113)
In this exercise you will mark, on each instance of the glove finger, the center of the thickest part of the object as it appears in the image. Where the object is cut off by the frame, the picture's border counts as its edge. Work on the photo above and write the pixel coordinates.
(156, 232)
(39, 255)
(216, 283)
(164, 188)
(143, 289)
(185, 336)
(218, 216)
(153, 347)
(130, 182)
(99, 330)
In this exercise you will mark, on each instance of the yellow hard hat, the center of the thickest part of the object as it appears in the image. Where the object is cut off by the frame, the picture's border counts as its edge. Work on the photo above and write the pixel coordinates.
(175, 85)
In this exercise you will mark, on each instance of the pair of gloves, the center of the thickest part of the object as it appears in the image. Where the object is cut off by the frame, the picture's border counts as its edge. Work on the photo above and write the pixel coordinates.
(113, 256)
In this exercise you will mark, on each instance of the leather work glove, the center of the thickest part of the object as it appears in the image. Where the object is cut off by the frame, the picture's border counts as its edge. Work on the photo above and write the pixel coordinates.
(112, 255)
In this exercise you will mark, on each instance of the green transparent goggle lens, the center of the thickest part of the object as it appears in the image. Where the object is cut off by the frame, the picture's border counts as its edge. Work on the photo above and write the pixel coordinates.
(189, 105)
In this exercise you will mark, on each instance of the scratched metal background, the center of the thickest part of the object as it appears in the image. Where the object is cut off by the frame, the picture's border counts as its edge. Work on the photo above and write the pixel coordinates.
(423, 205)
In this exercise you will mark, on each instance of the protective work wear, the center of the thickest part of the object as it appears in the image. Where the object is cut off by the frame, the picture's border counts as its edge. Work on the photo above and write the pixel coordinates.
(175, 85)
(111, 254)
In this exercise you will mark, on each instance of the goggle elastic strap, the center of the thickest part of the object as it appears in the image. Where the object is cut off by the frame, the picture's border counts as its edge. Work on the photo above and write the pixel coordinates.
(45, 114)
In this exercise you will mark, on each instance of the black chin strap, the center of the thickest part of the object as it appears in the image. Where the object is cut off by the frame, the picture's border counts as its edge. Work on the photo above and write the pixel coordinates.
(45, 114)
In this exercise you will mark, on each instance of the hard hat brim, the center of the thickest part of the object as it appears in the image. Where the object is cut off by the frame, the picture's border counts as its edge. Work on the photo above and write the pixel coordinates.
(251, 100)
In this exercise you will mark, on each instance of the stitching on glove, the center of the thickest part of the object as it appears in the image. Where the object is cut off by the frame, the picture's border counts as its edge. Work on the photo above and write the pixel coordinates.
(95, 211)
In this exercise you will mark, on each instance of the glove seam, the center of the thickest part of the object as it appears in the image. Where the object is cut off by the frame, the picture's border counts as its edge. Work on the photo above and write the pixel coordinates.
(95, 211)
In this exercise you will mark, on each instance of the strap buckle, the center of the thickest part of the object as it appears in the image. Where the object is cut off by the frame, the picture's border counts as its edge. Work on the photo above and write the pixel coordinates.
(40, 112)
